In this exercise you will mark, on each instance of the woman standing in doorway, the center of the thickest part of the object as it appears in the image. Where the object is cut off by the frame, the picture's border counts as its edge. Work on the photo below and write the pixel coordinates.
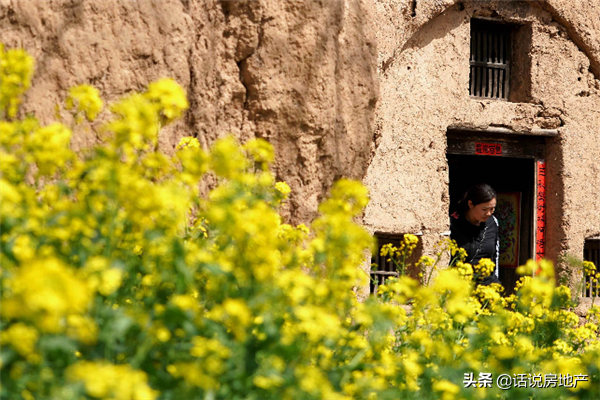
(473, 229)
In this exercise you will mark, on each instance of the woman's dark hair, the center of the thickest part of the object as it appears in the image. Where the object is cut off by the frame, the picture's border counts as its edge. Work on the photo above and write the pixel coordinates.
(479, 193)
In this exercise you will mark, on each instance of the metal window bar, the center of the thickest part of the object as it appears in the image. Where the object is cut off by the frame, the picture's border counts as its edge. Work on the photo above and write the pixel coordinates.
(489, 61)
(591, 252)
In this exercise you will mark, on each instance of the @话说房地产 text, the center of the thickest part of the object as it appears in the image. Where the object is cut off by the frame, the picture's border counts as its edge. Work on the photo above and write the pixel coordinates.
(506, 381)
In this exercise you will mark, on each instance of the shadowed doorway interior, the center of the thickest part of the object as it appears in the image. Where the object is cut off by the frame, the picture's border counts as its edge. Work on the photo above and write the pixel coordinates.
(513, 179)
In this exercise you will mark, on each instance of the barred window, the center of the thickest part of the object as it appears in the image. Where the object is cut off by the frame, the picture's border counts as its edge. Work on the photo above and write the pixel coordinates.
(382, 269)
(490, 59)
(591, 252)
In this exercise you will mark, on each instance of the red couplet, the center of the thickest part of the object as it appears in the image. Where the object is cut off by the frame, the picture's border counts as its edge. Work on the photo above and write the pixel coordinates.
(540, 236)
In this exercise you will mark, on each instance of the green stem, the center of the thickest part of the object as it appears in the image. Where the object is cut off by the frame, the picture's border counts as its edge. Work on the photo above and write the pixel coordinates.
(431, 270)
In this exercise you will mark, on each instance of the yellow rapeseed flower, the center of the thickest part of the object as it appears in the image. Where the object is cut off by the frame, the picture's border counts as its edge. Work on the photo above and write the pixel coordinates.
(110, 281)
(21, 337)
(86, 99)
(447, 389)
(46, 291)
(283, 188)
(169, 97)
(119, 382)
(16, 71)
(188, 142)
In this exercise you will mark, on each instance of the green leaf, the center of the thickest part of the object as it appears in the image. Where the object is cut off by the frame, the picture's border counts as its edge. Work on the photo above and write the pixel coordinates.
(6, 356)
(57, 343)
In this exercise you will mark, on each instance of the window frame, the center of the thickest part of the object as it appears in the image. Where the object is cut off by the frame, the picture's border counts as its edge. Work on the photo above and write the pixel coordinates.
(591, 252)
(490, 51)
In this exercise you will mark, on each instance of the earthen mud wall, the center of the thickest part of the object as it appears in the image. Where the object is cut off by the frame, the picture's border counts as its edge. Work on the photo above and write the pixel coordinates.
(361, 89)
(302, 75)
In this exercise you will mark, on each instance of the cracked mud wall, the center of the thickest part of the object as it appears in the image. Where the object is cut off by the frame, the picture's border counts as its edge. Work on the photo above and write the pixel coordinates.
(302, 75)
(111, 45)
(312, 88)
(424, 79)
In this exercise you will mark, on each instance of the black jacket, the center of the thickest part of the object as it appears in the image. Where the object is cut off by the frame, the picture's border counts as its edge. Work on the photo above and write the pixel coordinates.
(471, 238)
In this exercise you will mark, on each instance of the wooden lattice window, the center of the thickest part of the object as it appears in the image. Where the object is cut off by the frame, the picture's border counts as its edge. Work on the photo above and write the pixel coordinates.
(490, 60)
(591, 252)
(381, 268)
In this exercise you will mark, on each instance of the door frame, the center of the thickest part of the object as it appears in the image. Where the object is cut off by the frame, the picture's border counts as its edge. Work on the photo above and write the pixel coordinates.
(463, 141)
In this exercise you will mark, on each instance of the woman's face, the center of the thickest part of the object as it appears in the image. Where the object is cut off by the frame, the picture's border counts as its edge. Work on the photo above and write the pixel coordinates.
(482, 211)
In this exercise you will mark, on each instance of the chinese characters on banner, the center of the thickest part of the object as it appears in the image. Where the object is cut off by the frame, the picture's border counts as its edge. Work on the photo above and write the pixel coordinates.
(540, 234)
(488, 149)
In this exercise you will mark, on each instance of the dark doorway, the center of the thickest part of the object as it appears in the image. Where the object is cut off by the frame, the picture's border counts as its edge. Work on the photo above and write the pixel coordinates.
(512, 178)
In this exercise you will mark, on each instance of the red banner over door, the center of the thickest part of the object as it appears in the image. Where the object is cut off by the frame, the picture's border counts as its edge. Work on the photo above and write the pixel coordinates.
(488, 149)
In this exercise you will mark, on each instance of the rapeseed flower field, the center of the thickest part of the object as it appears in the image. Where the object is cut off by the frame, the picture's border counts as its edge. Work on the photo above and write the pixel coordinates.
(122, 280)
